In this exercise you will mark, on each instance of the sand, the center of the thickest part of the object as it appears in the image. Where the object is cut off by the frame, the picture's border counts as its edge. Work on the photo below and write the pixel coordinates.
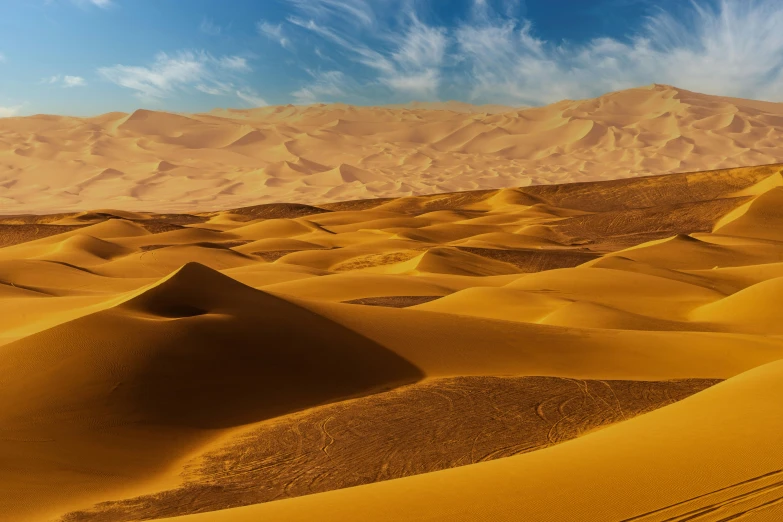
(146, 358)
(586, 351)
(163, 162)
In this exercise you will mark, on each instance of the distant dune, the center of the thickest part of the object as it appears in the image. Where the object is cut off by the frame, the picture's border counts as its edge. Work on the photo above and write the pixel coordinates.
(605, 351)
(157, 161)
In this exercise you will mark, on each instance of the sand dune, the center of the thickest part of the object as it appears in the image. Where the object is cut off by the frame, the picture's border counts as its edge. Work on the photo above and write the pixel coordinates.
(587, 351)
(156, 161)
(714, 456)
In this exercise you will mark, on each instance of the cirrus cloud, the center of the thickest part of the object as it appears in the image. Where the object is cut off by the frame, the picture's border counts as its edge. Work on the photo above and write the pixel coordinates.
(728, 47)
(170, 73)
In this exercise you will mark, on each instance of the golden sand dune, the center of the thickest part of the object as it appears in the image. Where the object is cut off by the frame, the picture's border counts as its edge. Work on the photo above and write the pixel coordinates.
(368, 439)
(714, 456)
(271, 356)
(156, 161)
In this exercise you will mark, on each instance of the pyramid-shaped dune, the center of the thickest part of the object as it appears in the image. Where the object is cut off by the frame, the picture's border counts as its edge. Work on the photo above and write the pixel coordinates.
(196, 348)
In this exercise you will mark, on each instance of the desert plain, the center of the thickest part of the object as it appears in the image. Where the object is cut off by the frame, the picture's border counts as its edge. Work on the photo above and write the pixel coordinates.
(426, 313)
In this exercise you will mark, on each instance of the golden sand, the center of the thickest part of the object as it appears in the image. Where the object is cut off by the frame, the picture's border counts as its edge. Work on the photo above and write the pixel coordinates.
(597, 351)
(157, 161)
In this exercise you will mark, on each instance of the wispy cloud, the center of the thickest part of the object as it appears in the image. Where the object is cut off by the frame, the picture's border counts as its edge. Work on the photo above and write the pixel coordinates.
(233, 63)
(273, 32)
(169, 73)
(407, 59)
(355, 11)
(327, 86)
(2, 57)
(250, 97)
(216, 88)
(730, 47)
(65, 81)
(73, 81)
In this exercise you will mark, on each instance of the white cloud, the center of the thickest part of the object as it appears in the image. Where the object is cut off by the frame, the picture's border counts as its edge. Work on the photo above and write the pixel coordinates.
(734, 48)
(2, 57)
(352, 11)
(216, 88)
(65, 81)
(420, 86)
(328, 86)
(273, 32)
(251, 98)
(407, 61)
(170, 73)
(7, 112)
(418, 58)
(73, 81)
(101, 3)
(164, 76)
(729, 47)
(233, 63)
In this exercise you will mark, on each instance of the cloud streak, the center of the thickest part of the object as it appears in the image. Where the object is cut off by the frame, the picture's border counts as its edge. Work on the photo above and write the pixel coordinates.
(65, 81)
(172, 73)
(251, 98)
(327, 86)
(273, 32)
(732, 47)
(729, 47)
(407, 60)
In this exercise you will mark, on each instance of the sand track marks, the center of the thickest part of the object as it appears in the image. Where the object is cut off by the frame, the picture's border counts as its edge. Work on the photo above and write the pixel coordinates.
(416, 429)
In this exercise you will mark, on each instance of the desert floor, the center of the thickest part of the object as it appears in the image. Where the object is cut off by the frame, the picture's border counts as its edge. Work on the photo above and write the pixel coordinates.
(586, 351)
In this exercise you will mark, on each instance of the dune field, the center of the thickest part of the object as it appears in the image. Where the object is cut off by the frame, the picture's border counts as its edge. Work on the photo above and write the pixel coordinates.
(605, 351)
(164, 162)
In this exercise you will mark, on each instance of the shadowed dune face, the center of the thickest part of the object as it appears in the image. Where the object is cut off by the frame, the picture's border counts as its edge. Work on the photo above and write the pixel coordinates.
(163, 365)
(156, 161)
(713, 456)
(397, 434)
(197, 349)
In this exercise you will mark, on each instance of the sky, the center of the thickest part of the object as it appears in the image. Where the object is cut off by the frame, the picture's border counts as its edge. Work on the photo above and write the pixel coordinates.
(87, 57)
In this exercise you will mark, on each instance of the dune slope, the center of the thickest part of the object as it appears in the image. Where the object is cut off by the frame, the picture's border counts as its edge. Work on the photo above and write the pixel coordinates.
(190, 355)
(714, 456)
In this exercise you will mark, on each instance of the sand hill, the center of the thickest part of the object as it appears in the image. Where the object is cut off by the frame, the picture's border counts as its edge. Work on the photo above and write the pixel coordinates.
(157, 161)
(588, 351)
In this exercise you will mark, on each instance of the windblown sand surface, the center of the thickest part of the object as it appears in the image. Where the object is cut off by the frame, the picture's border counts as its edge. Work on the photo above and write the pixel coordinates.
(596, 351)
(156, 161)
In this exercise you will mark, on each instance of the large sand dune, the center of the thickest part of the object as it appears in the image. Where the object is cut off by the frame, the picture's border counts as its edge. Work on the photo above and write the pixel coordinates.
(157, 161)
(510, 354)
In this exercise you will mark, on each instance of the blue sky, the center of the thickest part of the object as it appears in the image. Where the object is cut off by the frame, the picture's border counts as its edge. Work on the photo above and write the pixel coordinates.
(86, 57)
